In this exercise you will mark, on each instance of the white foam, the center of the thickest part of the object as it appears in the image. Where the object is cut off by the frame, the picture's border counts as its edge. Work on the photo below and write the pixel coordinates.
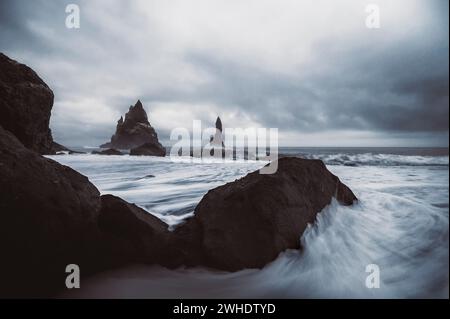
(401, 224)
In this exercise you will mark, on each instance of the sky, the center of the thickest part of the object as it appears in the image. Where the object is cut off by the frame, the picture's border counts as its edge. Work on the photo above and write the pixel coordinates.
(311, 68)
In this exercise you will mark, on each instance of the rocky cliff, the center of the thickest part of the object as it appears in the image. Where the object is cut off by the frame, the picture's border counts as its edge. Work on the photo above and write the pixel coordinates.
(25, 106)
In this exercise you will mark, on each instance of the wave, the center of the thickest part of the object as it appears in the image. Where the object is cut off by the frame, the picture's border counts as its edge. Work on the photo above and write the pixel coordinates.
(400, 224)
(369, 159)
(411, 252)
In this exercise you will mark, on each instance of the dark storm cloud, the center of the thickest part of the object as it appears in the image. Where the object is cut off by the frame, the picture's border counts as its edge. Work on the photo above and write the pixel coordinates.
(392, 81)
(391, 90)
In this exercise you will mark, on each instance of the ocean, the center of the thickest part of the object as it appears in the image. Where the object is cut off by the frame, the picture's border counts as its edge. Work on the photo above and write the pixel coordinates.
(400, 224)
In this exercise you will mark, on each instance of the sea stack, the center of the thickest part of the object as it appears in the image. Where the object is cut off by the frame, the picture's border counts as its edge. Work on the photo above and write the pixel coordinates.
(216, 141)
(135, 130)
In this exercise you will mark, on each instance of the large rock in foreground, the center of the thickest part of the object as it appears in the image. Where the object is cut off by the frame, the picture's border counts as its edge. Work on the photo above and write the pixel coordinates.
(52, 216)
(48, 218)
(247, 223)
(25, 105)
(134, 131)
(140, 236)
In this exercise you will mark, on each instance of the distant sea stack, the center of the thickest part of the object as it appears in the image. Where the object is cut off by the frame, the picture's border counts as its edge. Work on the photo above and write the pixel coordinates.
(135, 131)
(25, 106)
(216, 141)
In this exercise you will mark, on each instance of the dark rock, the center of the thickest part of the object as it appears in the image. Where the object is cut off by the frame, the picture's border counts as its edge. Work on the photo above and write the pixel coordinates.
(219, 124)
(137, 235)
(25, 106)
(216, 141)
(48, 219)
(247, 223)
(76, 152)
(52, 216)
(59, 148)
(134, 131)
(109, 151)
(150, 149)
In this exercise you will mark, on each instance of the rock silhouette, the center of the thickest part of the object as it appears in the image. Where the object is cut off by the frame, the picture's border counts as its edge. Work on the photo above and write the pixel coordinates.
(25, 106)
(216, 141)
(53, 216)
(133, 131)
(248, 222)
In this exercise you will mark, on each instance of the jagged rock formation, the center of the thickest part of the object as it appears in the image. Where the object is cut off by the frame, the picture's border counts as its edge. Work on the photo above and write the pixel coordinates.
(248, 222)
(25, 106)
(134, 131)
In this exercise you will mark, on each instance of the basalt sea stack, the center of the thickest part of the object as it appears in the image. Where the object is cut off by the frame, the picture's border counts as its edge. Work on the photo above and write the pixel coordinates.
(134, 131)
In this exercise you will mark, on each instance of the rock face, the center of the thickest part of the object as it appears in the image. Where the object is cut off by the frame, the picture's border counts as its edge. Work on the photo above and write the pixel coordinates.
(48, 214)
(52, 216)
(150, 149)
(247, 223)
(109, 151)
(25, 105)
(134, 131)
(140, 236)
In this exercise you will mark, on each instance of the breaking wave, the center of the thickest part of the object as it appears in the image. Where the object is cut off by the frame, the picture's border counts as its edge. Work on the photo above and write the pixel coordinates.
(369, 159)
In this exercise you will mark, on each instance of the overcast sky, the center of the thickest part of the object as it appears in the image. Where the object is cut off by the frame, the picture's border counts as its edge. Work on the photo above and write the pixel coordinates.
(312, 69)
